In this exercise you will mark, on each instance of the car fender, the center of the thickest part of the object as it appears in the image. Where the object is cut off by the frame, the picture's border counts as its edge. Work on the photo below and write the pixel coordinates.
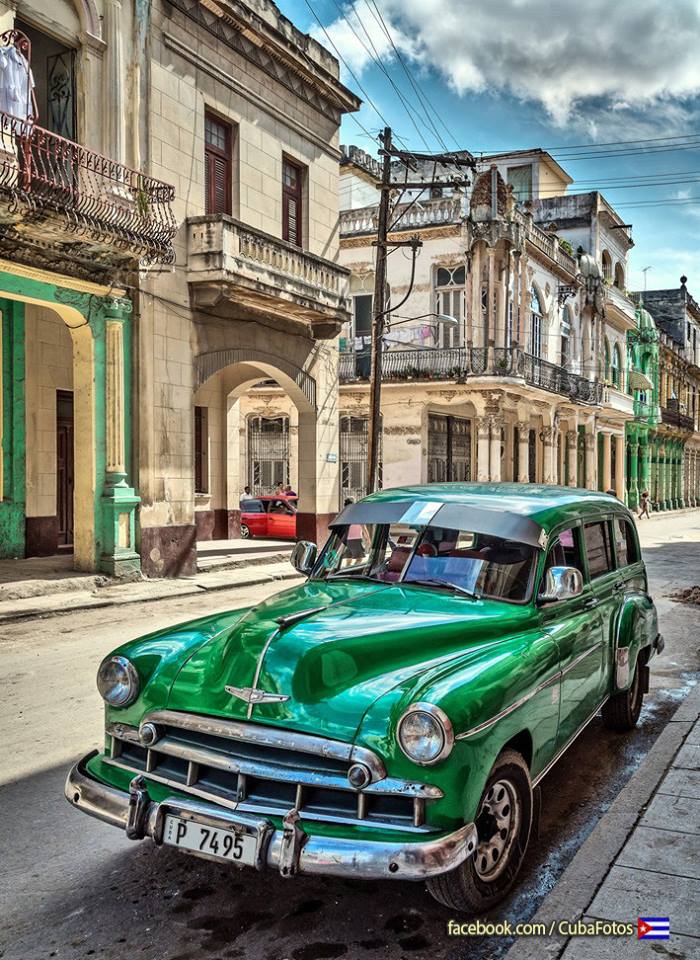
(635, 628)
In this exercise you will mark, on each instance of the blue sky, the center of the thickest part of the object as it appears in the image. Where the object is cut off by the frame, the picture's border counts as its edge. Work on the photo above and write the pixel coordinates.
(509, 74)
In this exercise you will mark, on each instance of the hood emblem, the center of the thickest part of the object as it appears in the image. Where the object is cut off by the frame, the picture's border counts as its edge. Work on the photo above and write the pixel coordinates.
(254, 695)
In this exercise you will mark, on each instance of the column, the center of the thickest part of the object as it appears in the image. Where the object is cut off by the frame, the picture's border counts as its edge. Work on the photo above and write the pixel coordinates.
(491, 310)
(524, 338)
(477, 327)
(549, 439)
(517, 257)
(620, 466)
(483, 434)
(654, 471)
(644, 463)
(119, 502)
(663, 477)
(591, 464)
(495, 452)
(572, 456)
(633, 484)
(607, 461)
(114, 82)
(523, 450)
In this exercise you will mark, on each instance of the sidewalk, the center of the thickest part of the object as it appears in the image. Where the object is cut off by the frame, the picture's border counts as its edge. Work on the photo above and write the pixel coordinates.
(641, 860)
(141, 591)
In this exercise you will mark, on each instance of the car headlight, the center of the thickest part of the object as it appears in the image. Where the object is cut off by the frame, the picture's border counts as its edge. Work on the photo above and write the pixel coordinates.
(425, 733)
(118, 681)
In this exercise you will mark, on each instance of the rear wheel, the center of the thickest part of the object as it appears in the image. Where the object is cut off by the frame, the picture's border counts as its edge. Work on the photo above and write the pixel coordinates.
(503, 828)
(621, 712)
(245, 532)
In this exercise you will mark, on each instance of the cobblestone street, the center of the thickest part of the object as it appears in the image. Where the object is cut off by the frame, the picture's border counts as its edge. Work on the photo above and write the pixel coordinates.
(75, 887)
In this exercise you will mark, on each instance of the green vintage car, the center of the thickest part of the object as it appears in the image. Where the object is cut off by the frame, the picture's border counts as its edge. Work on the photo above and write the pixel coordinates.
(392, 715)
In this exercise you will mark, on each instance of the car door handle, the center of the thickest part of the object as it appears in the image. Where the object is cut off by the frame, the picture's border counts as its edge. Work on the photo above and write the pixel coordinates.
(590, 603)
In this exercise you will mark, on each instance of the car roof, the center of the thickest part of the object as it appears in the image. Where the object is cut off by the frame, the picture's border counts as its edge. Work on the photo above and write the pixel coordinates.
(546, 506)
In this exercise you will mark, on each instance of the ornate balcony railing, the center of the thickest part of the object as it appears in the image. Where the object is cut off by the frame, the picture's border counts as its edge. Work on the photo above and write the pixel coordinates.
(462, 363)
(425, 213)
(674, 418)
(72, 192)
(550, 245)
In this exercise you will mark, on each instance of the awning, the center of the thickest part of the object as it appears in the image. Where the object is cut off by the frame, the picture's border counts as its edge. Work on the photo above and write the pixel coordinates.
(640, 381)
(451, 516)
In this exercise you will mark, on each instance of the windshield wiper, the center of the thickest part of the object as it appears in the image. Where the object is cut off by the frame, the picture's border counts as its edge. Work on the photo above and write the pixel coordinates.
(436, 582)
(352, 576)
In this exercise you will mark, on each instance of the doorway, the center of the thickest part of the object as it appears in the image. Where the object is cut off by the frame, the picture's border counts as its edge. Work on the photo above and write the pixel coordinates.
(65, 464)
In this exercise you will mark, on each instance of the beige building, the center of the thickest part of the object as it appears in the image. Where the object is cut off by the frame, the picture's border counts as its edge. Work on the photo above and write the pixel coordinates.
(519, 388)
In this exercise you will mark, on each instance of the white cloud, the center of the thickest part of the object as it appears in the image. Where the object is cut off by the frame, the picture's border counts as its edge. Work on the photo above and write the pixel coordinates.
(632, 56)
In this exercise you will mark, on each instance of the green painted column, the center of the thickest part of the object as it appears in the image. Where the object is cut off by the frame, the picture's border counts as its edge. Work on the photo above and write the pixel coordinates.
(119, 501)
(12, 430)
(665, 476)
(644, 463)
(654, 470)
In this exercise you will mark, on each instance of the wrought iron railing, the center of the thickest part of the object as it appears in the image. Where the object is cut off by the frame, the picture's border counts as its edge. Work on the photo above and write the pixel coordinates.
(675, 418)
(460, 363)
(100, 200)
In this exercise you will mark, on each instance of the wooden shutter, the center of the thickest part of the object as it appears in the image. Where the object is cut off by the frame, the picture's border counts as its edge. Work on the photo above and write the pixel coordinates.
(291, 202)
(217, 165)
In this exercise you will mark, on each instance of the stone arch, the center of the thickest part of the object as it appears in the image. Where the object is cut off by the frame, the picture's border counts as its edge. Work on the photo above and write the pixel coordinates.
(607, 265)
(619, 275)
(300, 385)
(89, 17)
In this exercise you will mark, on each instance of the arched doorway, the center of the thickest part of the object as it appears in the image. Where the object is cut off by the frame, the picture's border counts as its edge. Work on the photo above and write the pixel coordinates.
(310, 435)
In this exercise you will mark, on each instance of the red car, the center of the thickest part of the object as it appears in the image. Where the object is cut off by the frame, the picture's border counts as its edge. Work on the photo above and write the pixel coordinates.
(272, 516)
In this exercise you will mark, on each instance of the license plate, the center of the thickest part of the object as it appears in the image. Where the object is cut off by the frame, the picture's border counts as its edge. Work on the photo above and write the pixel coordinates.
(213, 841)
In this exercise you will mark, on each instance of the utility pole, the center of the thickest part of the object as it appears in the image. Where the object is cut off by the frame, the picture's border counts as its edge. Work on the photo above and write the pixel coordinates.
(380, 307)
(378, 316)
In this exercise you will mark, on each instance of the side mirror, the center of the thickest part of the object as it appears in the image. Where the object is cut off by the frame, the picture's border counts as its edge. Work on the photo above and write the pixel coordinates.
(304, 556)
(561, 583)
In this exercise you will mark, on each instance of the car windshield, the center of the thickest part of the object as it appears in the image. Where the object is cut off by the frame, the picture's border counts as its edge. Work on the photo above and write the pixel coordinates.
(463, 561)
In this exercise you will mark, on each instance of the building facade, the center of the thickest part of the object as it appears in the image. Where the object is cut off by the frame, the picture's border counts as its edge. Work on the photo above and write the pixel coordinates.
(78, 214)
(157, 258)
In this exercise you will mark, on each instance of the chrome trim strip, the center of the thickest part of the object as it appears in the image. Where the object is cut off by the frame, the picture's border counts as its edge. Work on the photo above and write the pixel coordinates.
(270, 737)
(513, 706)
(528, 696)
(332, 856)
(568, 743)
(254, 807)
(256, 768)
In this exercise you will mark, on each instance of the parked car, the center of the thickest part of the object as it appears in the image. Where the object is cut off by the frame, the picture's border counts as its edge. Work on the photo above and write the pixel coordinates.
(390, 716)
(271, 516)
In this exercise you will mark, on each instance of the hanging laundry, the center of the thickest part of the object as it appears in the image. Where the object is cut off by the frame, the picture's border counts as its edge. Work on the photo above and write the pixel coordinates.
(16, 84)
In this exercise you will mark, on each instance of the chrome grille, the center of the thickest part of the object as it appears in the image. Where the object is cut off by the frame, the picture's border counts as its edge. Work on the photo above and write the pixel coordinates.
(262, 770)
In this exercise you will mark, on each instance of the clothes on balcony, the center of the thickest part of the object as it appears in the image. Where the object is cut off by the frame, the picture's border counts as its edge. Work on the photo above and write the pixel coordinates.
(16, 84)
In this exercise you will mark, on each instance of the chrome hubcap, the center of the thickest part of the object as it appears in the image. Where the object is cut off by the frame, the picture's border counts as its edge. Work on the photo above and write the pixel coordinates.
(497, 825)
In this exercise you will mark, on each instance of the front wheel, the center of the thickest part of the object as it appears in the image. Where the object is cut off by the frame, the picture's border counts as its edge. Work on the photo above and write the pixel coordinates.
(503, 828)
(621, 711)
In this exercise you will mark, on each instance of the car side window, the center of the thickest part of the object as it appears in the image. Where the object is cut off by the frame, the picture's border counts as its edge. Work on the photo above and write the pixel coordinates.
(565, 551)
(598, 548)
(625, 543)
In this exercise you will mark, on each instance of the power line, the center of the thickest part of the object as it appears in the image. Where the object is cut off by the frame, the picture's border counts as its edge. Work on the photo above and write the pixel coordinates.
(595, 146)
(422, 98)
(375, 59)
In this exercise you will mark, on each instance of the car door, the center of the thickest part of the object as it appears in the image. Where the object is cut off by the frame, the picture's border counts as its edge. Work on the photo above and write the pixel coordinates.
(607, 587)
(279, 520)
(254, 516)
(575, 625)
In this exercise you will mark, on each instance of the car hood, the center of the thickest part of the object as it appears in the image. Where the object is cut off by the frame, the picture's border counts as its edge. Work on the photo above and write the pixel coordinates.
(352, 643)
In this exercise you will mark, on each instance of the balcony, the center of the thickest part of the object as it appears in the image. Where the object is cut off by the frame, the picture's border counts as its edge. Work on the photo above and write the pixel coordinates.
(549, 245)
(234, 269)
(464, 363)
(409, 216)
(60, 201)
(622, 304)
(618, 401)
(674, 418)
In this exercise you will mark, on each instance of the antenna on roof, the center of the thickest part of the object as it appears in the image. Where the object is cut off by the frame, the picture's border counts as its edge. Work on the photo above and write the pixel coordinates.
(644, 271)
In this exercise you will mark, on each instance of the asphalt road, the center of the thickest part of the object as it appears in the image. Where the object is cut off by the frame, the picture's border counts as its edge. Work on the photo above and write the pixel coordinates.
(73, 887)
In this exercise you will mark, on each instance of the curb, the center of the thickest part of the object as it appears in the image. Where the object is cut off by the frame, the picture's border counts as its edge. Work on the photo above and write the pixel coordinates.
(91, 601)
(578, 884)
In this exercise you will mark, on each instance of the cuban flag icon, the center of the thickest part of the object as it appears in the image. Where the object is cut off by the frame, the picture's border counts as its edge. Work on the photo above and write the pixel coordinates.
(653, 928)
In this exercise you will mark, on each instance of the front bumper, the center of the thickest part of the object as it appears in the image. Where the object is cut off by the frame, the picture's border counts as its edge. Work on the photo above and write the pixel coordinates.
(289, 850)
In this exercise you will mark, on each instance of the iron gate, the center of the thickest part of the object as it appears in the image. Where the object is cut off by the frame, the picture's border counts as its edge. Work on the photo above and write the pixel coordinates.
(268, 453)
(449, 448)
(353, 458)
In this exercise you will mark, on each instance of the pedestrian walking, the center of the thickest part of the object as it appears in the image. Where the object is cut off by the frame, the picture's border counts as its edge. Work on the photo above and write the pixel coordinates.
(644, 505)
